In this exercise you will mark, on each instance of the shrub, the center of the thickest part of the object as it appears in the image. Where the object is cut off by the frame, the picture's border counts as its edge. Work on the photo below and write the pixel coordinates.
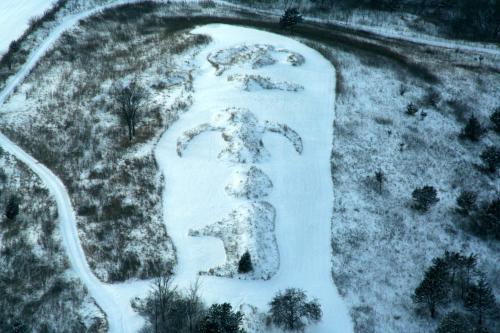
(411, 109)
(432, 98)
(245, 264)
(424, 198)
(472, 130)
(491, 159)
(291, 310)
(380, 178)
(466, 202)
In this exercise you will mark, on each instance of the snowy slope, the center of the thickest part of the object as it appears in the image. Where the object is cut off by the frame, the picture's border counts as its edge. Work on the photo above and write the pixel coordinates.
(408, 36)
(107, 296)
(302, 189)
(15, 16)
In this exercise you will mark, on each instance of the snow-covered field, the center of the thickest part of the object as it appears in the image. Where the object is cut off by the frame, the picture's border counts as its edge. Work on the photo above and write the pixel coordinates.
(195, 193)
(273, 197)
(15, 16)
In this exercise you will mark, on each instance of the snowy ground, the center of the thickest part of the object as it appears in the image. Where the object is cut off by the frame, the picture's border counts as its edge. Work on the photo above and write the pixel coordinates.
(283, 157)
(15, 16)
(195, 193)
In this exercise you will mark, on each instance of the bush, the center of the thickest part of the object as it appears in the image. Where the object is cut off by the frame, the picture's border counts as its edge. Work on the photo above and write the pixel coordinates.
(245, 264)
(291, 310)
(466, 202)
(424, 198)
(411, 109)
(495, 119)
(472, 130)
(491, 159)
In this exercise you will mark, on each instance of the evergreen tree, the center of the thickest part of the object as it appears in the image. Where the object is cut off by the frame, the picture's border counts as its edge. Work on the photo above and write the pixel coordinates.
(472, 130)
(245, 264)
(433, 290)
(220, 318)
(466, 273)
(481, 301)
(454, 322)
(290, 18)
(12, 207)
(495, 119)
(491, 159)
(487, 220)
(424, 198)
(466, 202)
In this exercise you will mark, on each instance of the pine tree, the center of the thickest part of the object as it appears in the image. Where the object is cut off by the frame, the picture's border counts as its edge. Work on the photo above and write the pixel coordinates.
(467, 273)
(12, 207)
(495, 119)
(290, 18)
(472, 130)
(433, 290)
(466, 202)
(220, 318)
(487, 220)
(481, 301)
(454, 322)
(245, 264)
(491, 159)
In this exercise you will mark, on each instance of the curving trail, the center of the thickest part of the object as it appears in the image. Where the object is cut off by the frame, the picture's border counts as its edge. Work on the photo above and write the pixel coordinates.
(115, 306)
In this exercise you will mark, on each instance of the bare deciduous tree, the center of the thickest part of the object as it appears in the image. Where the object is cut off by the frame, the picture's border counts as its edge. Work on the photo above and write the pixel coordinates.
(292, 311)
(129, 99)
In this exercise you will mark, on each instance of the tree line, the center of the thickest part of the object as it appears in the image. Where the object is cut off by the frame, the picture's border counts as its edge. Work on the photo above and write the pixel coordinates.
(167, 309)
(460, 18)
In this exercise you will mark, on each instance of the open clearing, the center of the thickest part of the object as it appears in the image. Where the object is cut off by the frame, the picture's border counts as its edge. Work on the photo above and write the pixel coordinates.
(195, 183)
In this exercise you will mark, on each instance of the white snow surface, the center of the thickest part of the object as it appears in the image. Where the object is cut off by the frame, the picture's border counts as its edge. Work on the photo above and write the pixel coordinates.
(302, 194)
(15, 16)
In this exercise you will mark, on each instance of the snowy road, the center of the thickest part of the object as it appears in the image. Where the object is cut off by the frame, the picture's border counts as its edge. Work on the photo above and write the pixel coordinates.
(108, 297)
(302, 192)
(465, 46)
